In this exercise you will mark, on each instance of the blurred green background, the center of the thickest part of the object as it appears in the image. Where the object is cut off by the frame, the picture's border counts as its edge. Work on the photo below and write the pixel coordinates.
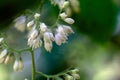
(94, 48)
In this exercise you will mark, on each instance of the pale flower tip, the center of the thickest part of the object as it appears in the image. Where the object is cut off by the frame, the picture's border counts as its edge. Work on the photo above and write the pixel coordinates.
(68, 77)
(2, 60)
(16, 66)
(7, 60)
(3, 53)
(69, 20)
(76, 76)
(37, 16)
(43, 27)
(30, 24)
(63, 15)
(21, 65)
(1, 39)
(20, 23)
(66, 4)
(48, 46)
(75, 70)
(48, 37)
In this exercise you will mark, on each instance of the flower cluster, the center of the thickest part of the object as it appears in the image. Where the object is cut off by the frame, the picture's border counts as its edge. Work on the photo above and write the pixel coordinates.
(6, 56)
(69, 6)
(39, 33)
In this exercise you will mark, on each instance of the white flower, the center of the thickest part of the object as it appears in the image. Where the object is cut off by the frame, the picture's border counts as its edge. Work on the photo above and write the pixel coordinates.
(68, 11)
(48, 37)
(16, 65)
(20, 23)
(60, 30)
(75, 5)
(69, 20)
(68, 77)
(37, 16)
(59, 38)
(9, 58)
(25, 79)
(30, 24)
(33, 34)
(34, 40)
(61, 3)
(64, 30)
(35, 43)
(21, 65)
(66, 4)
(1, 39)
(2, 60)
(63, 15)
(3, 53)
(76, 76)
(48, 46)
(51, 36)
(67, 29)
(43, 27)
(75, 70)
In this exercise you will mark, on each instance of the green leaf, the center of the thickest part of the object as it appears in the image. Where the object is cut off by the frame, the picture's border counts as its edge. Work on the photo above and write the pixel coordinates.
(97, 19)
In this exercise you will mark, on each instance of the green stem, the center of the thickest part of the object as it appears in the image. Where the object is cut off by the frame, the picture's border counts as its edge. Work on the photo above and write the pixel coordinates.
(52, 76)
(40, 6)
(56, 22)
(33, 65)
(23, 50)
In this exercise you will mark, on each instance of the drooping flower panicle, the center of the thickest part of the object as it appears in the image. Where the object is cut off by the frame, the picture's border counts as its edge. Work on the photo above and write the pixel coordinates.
(42, 32)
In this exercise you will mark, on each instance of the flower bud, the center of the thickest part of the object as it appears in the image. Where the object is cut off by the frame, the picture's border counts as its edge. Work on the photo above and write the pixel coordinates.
(1, 40)
(68, 77)
(60, 30)
(48, 37)
(75, 5)
(51, 36)
(59, 38)
(68, 11)
(43, 27)
(21, 65)
(66, 4)
(37, 16)
(9, 58)
(75, 70)
(63, 15)
(76, 76)
(20, 23)
(48, 46)
(69, 20)
(3, 53)
(2, 60)
(25, 79)
(68, 29)
(34, 34)
(16, 65)
(30, 24)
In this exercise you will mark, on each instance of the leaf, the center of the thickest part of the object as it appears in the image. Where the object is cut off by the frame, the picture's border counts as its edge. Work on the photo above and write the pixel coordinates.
(97, 19)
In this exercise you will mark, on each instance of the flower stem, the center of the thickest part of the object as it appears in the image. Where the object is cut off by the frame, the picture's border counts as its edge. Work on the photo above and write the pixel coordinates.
(33, 65)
